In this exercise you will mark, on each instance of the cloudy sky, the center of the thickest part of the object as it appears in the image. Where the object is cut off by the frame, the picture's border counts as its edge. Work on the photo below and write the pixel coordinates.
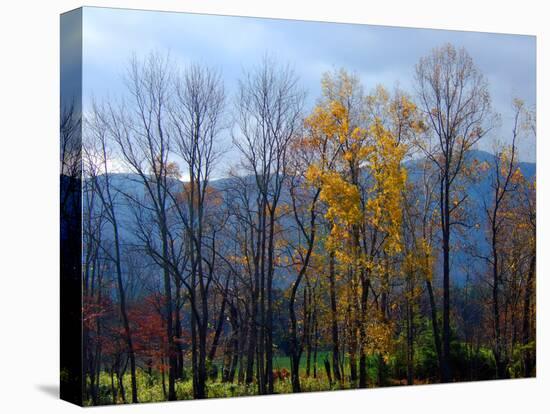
(377, 54)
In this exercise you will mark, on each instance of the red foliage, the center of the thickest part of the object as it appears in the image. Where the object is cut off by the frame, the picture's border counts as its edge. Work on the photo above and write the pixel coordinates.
(94, 309)
(281, 374)
(149, 331)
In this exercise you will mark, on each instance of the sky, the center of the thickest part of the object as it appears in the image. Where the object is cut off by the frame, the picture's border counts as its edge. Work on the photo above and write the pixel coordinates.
(377, 54)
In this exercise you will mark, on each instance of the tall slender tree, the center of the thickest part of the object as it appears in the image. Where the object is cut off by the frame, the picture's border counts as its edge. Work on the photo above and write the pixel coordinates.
(138, 126)
(268, 115)
(106, 194)
(196, 116)
(454, 96)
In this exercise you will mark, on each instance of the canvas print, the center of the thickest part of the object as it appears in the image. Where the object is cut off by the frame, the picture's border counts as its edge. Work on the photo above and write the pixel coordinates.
(262, 206)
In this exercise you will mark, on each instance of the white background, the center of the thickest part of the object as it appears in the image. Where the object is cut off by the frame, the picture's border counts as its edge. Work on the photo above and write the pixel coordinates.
(29, 253)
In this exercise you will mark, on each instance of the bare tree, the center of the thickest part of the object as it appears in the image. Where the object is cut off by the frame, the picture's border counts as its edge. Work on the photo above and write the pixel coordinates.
(196, 116)
(139, 129)
(268, 114)
(454, 97)
(419, 222)
(100, 179)
(505, 165)
(93, 222)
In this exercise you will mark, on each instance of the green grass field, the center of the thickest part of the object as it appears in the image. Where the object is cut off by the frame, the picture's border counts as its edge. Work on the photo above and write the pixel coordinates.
(283, 361)
(150, 388)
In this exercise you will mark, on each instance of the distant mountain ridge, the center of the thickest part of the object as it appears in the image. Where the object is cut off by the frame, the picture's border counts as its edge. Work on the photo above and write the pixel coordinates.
(461, 263)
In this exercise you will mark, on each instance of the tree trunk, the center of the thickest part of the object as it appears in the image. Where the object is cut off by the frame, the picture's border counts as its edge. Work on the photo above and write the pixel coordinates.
(352, 349)
(365, 283)
(435, 327)
(410, 343)
(334, 320)
(528, 353)
(269, 314)
(252, 337)
(172, 357)
(126, 323)
(327, 370)
(219, 326)
(497, 350)
(113, 388)
(446, 354)
(178, 333)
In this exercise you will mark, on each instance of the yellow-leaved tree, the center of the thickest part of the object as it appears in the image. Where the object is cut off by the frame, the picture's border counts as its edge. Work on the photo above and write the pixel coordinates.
(362, 179)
